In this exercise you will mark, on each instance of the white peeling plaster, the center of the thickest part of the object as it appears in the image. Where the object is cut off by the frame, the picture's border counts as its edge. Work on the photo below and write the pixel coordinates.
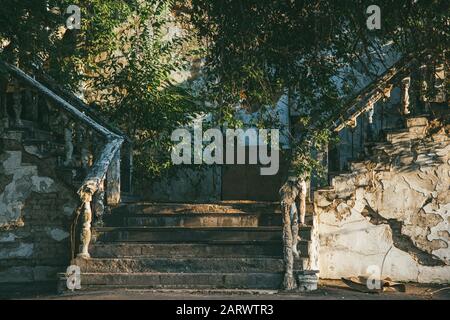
(24, 250)
(57, 234)
(350, 243)
(34, 150)
(25, 180)
(10, 237)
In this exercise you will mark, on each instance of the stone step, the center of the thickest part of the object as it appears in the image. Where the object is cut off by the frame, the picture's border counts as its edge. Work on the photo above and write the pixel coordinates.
(419, 131)
(399, 136)
(416, 121)
(191, 234)
(207, 249)
(406, 135)
(218, 207)
(185, 265)
(195, 220)
(217, 280)
(212, 280)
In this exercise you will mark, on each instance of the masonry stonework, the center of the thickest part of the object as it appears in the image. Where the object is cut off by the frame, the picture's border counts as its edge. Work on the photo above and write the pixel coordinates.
(35, 216)
(392, 210)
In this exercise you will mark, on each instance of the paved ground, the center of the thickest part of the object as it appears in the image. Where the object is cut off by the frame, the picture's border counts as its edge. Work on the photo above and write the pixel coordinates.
(328, 290)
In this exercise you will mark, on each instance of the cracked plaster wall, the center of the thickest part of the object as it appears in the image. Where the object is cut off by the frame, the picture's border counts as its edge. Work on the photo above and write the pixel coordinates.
(392, 211)
(35, 215)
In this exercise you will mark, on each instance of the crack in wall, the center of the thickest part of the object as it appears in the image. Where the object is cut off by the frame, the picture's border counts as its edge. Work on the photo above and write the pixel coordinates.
(400, 240)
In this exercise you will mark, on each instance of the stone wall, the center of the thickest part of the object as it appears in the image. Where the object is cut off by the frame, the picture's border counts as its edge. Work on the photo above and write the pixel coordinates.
(35, 215)
(392, 212)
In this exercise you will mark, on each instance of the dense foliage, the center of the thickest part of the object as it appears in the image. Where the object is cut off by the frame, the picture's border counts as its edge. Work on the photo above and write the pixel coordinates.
(255, 51)
(122, 60)
(136, 86)
(259, 49)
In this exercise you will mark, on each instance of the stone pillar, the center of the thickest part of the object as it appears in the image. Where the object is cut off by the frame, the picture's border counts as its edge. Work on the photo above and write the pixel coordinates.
(113, 181)
(289, 282)
(294, 229)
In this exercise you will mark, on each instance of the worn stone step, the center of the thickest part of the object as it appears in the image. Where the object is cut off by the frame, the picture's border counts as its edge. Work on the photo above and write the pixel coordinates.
(191, 234)
(195, 220)
(223, 207)
(185, 265)
(213, 280)
(171, 291)
(419, 131)
(191, 281)
(416, 121)
(401, 136)
(218, 207)
(207, 249)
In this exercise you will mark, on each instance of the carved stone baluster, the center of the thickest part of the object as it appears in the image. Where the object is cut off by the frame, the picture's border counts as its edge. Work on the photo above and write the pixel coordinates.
(423, 70)
(406, 82)
(68, 140)
(89, 152)
(33, 100)
(289, 193)
(370, 115)
(302, 200)
(99, 204)
(86, 227)
(289, 282)
(387, 92)
(17, 107)
(45, 113)
(113, 181)
(294, 227)
(84, 141)
(352, 123)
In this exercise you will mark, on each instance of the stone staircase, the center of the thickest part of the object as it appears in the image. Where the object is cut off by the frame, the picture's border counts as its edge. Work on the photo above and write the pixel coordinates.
(401, 147)
(226, 245)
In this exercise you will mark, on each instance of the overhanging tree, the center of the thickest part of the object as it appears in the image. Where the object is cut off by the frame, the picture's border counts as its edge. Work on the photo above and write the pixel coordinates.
(258, 49)
(120, 59)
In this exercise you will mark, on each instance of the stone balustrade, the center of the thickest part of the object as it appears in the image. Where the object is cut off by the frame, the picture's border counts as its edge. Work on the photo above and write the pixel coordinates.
(92, 152)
